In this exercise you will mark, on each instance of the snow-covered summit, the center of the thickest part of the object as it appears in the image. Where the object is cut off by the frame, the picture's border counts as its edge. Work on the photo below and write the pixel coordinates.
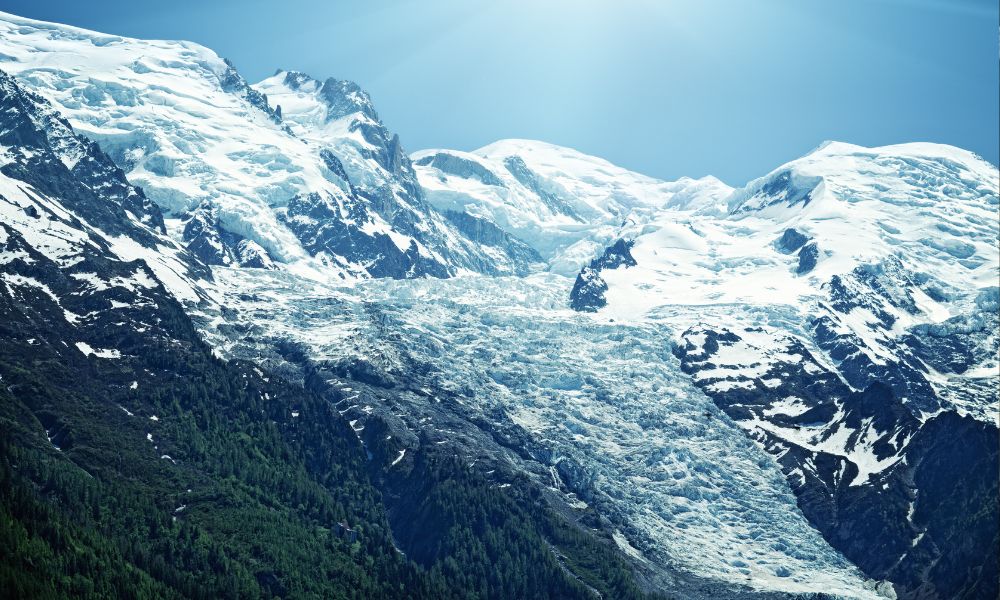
(929, 206)
(939, 170)
(310, 103)
(565, 204)
(866, 247)
(155, 101)
(933, 205)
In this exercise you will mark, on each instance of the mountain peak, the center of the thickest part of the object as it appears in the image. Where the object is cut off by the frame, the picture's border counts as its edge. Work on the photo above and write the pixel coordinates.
(96, 38)
(339, 98)
(295, 80)
(831, 148)
(850, 172)
(345, 97)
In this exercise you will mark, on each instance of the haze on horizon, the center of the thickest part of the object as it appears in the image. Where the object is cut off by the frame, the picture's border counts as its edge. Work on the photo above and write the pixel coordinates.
(669, 89)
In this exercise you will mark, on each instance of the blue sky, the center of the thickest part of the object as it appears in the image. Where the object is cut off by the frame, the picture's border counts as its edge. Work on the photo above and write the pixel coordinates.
(665, 87)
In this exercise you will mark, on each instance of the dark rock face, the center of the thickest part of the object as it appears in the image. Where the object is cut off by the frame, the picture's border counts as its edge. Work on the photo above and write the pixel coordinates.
(588, 291)
(879, 290)
(791, 240)
(808, 256)
(589, 288)
(210, 242)
(234, 83)
(617, 255)
(953, 346)
(488, 233)
(907, 498)
(344, 98)
(55, 161)
(956, 485)
(318, 221)
(335, 165)
(519, 169)
(388, 153)
(204, 239)
(460, 167)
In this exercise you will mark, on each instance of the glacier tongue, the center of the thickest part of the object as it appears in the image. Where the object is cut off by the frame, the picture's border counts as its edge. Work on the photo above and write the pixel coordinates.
(613, 422)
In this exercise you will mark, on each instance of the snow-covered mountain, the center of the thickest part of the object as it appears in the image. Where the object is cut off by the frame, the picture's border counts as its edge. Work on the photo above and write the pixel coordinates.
(845, 313)
(874, 248)
(116, 419)
(778, 390)
(564, 204)
(330, 193)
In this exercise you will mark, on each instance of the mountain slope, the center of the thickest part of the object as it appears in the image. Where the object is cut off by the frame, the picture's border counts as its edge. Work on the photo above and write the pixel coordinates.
(134, 461)
(42, 157)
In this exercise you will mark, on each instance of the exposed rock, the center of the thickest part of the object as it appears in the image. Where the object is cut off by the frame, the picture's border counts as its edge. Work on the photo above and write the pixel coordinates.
(791, 240)
(234, 83)
(808, 256)
(210, 242)
(589, 288)
(487, 232)
(455, 165)
(588, 291)
(519, 169)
